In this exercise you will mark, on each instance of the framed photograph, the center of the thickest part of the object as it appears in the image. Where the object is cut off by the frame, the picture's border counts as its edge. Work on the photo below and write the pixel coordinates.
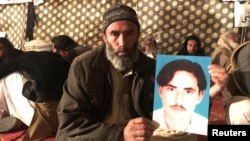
(181, 94)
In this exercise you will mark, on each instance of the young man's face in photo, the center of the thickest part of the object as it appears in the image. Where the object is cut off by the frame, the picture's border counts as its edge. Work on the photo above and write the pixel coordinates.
(179, 98)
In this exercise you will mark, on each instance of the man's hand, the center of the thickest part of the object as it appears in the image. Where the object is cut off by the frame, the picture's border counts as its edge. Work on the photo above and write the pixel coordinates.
(139, 129)
(219, 77)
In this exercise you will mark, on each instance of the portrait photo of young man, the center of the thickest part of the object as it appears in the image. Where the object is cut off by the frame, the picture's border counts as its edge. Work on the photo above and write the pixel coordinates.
(181, 100)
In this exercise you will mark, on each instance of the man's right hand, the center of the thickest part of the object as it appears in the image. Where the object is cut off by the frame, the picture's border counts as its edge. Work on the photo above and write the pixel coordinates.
(139, 129)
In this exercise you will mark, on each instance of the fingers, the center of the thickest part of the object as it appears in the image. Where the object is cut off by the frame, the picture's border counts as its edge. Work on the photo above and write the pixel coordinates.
(219, 77)
(144, 121)
(139, 129)
(142, 126)
(216, 69)
(218, 74)
(141, 120)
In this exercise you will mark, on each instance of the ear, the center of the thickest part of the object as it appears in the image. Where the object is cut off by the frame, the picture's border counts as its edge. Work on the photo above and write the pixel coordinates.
(103, 36)
(160, 91)
(200, 96)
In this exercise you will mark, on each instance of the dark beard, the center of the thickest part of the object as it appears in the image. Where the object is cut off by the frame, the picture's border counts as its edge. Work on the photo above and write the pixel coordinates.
(122, 63)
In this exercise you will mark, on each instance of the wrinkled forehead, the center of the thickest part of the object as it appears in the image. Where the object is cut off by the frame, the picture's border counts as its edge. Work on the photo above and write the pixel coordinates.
(122, 26)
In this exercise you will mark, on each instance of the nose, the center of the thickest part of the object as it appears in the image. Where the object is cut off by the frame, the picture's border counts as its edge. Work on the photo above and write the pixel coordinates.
(179, 98)
(121, 40)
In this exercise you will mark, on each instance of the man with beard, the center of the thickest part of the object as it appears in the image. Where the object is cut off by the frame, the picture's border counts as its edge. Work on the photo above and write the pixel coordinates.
(191, 46)
(109, 91)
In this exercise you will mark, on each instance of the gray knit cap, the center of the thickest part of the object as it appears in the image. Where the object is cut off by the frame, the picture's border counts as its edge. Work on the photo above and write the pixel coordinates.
(119, 12)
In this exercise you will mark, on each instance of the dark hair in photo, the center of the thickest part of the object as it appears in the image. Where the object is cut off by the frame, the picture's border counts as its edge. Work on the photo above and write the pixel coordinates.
(166, 74)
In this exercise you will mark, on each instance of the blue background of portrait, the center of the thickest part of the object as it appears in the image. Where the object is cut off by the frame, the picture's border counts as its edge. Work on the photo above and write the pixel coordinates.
(203, 107)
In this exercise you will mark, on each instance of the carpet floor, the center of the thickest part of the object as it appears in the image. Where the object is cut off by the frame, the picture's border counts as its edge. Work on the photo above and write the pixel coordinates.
(217, 116)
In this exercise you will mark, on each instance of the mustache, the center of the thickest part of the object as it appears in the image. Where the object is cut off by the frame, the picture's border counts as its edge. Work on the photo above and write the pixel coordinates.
(123, 49)
(179, 107)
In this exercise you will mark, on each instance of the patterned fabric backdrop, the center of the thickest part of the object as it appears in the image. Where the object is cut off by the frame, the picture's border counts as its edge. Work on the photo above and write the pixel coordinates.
(170, 21)
(13, 21)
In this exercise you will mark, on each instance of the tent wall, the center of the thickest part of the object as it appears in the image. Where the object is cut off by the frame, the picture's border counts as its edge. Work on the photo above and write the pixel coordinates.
(170, 21)
(13, 21)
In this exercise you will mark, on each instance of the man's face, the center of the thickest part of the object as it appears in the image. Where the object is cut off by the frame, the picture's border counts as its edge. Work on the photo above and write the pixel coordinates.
(233, 40)
(233, 37)
(191, 46)
(121, 38)
(179, 98)
(149, 46)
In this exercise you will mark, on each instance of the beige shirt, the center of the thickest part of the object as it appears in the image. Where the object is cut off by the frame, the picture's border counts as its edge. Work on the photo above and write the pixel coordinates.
(121, 103)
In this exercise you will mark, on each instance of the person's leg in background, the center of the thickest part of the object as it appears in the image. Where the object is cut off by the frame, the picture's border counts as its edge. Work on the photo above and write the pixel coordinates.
(17, 105)
(238, 110)
(40, 117)
(44, 123)
(15, 110)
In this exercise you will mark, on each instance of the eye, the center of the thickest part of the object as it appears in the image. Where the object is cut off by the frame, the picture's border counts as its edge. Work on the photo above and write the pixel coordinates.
(115, 33)
(129, 32)
(170, 89)
(189, 92)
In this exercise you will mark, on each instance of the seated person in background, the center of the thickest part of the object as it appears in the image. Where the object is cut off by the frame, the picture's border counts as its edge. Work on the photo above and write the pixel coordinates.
(236, 96)
(226, 44)
(7, 50)
(31, 85)
(238, 105)
(108, 94)
(7, 53)
(37, 45)
(191, 46)
(67, 47)
(149, 46)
